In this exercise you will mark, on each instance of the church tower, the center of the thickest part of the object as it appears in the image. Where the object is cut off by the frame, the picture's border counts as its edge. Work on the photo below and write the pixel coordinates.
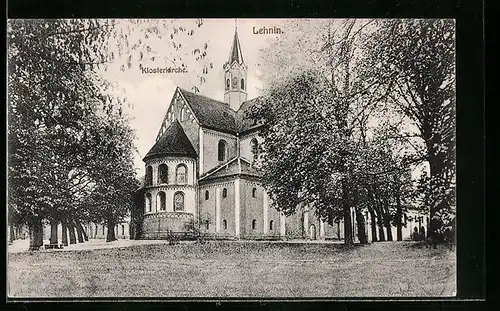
(235, 76)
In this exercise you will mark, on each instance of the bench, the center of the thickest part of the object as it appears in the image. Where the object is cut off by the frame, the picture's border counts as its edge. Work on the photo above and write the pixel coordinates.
(53, 246)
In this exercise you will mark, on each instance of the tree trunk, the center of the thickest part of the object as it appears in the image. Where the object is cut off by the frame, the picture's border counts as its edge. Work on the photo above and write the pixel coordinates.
(387, 220)
(399, 217)
(54, 239)
(12, 233)
(85, 235)
(72, 236)
(110, 236)
(79, 232)
(373, 224)
(36, 234)
(348, 238)
(64, 238)
(360, 220)
(380, 225)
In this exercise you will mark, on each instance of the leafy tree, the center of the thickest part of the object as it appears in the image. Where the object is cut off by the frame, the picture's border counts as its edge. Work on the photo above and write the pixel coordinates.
(54, 96)
(313, 120)
(417, 57)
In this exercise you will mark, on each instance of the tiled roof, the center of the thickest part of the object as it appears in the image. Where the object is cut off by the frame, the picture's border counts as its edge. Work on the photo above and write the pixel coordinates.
(236, 166)
(211, 113)
(243, 121)
(172, 142)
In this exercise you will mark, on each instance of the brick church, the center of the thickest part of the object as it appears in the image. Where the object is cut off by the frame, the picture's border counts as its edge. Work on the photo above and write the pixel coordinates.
(203, 167)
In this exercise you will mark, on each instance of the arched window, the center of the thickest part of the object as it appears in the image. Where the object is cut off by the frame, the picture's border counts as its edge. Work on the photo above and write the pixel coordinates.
(207, 195)
(178, 201)
(207, 224)
(162, 174)
(148, 202)
(123, 229)
(242, 84)
(102, 229)
(224, 192)
(254, 192)
(181, 174)
(149, 175)
(224, 224)
(254, 224)
(221, 155)
(271, 225)
(161, 201)
(227, 84)
(254, 146)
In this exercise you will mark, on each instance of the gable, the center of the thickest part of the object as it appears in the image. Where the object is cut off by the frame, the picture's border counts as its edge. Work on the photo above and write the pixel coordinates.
(178, 109)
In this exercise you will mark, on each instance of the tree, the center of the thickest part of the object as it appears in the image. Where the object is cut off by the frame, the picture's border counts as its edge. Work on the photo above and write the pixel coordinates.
(312, 123)
(417, 57)
(54, 94)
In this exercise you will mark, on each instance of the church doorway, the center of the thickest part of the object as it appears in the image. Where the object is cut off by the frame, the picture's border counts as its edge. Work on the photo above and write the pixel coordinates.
(312, 232)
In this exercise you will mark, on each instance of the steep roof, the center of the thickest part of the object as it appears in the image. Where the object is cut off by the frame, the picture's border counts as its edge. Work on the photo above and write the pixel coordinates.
(243, 121)
(236, 166)
(235, 54)
(211, 113)
(173, 142)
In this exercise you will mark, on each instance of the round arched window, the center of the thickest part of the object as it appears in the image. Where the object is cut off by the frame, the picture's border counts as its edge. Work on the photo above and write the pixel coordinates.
(242, 84)
(227, 84)
(181, 174)
(178, 201)
(162, 174)
(224, 192)
(221, 155)
(148, 202)
(207, 195)
(149, 175)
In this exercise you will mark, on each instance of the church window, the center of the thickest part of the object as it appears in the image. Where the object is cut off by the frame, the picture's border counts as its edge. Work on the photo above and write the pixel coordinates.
(207, 224)
(102, 229)
(227, 84)
(242, 84)
(254, 146)
(224, 192)
(123, 229)
(271, 225)
(221, 155)
(162, 174)
(149, 175)
(181, 174)
(254, 224)
(224, 224)
(161, 201)
(254, 192)
(148, 202)
(207, 195)
(178, 201)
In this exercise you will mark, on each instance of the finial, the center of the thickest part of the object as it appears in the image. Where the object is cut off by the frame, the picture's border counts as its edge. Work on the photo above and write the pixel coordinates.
(235, 24)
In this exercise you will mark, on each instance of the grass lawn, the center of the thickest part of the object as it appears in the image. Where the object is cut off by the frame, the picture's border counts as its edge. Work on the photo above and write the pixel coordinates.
(236, 269)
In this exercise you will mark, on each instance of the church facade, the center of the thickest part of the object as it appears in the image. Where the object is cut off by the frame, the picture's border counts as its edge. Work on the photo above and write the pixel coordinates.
(202, 169)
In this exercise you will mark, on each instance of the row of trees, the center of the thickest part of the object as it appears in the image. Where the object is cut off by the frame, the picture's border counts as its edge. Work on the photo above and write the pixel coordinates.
(70, 146)
(358, 107)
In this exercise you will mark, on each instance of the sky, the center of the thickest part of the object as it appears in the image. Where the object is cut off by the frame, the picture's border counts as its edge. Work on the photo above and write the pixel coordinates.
(149, 94)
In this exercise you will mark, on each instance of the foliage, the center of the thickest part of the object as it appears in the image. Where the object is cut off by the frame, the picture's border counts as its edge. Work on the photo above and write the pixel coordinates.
(70, 145)
(346, 125)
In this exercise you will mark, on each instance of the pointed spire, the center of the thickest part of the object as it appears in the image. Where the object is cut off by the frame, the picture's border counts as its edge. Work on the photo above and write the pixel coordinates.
(235, 54)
